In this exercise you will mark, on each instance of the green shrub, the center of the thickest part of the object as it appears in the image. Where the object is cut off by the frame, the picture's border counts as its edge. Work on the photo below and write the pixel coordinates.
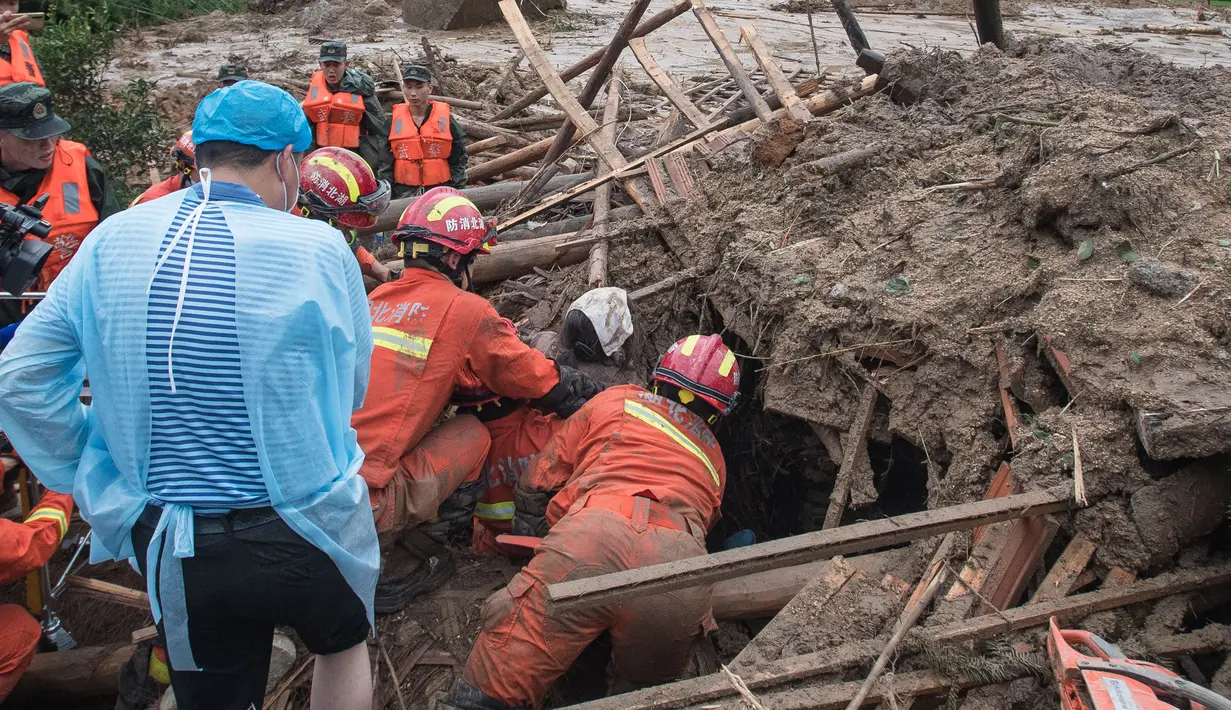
(122, 128)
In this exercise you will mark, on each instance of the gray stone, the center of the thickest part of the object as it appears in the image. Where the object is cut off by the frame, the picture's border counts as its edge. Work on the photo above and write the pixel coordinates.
(460, 14)
(1163, 278)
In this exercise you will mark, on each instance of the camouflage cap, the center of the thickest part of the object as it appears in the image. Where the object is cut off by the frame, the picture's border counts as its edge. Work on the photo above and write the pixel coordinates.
(232, 72)
(25, 111)
(333, 52)
(416, 72)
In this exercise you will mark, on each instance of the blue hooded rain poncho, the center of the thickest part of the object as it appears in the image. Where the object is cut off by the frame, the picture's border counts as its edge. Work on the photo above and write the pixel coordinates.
(305, 344)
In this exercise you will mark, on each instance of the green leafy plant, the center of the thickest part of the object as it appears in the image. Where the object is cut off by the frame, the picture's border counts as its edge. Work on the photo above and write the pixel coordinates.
(1085, 250)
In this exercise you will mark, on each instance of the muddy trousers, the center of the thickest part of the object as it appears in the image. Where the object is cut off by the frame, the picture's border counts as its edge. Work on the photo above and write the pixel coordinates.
(19, 634)
(523, 648)
(444, 466)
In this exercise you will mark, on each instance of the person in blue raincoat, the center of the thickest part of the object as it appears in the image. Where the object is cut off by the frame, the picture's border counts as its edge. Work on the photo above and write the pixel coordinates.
(227, 343)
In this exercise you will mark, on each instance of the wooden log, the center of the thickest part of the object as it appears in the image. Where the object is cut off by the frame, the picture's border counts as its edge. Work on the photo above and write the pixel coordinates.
(606, 149)
(988, 22)
(664, 82)
(835, 163)
(764, 593)
(773, 74)
(602, 196)
(486, 144)
(729, 58)
(1059, 581)
(108, 592)
(482, 130)
(523, 156)
(518, 258)
(1174, 29)
(821, 104)
(591, 60)
(572, 224)
(832, 660)
(860, 537)
(485, 197)
(854, 447)
(76, 675)
(670, 282)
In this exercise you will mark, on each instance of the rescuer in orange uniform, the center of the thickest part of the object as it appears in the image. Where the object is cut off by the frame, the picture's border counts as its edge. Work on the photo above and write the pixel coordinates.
(429, 147)
(17, 62)
(430, 335)
(336, 186)
(24, 547)
(344, 112)
(184, 156)
(634, 478)
(35, 161)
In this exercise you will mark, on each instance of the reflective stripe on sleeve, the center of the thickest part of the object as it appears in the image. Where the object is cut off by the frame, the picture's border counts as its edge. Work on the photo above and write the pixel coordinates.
(494, 511)
(398, 341)
(51, 514)
(656, 420)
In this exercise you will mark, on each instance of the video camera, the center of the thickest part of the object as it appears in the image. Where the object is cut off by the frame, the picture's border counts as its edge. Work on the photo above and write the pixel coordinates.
(22, 259)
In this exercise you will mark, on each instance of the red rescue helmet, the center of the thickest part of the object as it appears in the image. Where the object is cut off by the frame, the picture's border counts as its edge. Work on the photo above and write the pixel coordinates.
(337, 184)
(184, 153)
(703, 366)
(445, 217)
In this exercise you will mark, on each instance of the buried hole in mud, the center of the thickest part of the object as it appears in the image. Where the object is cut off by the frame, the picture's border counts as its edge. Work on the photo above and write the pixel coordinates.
(780, 478)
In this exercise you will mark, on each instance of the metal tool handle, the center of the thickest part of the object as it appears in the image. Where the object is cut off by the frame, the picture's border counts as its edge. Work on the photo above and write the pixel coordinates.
(1177, 687)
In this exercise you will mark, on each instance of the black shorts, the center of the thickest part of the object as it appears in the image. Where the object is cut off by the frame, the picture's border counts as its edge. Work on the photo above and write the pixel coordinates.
(241, 583)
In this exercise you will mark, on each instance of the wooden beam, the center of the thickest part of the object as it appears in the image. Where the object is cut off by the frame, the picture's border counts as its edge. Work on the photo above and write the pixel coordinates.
(108, 592)
(669, 88)
(606, 149)
(602, 196)
(507, 261)
(773, 74)
(591, 60)
(1022, 555)
(860, 537)
(486, 144)
(1059, 581)
(832, 660)
(522, 156)
(764, 593)
(821, 104)
(727, 52)
(75, 675)
(855, 446)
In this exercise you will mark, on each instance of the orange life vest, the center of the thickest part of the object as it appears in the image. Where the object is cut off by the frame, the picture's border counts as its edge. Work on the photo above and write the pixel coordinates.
(421, 153)
(336, 116)
(175, 183)
(69, 209)
(21, 66)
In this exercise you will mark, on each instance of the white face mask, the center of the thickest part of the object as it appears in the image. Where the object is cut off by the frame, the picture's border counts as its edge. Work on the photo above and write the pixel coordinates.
(288, 206)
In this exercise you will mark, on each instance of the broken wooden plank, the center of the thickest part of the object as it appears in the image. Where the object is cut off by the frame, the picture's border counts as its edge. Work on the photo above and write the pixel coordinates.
(1118, 577)
(591, 60)
(1072, 563)
(1023, 554)
(1012, 416)
(729, 58)
(854, 448)
(602, 196)
(859, 537)
(605, 148)
(832, 660)
(774, 75)
(664, 82)
(108, 592)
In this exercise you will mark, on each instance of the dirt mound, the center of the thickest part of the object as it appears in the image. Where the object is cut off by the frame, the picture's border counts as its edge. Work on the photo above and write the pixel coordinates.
(1011, 207)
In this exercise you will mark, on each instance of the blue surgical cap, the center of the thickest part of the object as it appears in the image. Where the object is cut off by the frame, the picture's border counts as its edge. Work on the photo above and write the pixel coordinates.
(252, 113)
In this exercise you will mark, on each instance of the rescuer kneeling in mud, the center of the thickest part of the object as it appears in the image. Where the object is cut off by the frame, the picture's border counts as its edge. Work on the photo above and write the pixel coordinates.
(432, 334)
(634, 478)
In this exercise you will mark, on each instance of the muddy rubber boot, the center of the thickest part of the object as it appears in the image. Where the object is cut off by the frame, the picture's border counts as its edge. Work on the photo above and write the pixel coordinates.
(464, 696)
(417, 563)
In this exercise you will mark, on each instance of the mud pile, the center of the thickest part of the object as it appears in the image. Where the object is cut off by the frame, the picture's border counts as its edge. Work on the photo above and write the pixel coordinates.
(991, 212)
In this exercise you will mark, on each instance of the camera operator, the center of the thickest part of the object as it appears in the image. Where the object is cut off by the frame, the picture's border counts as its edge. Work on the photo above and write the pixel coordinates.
(34, 160)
